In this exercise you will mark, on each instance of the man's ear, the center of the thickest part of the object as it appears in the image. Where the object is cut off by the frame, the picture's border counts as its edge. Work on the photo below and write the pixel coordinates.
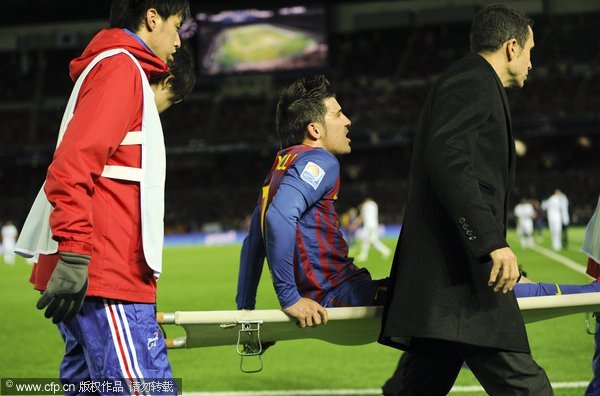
(313, 131)
(151, 19)
(513, 49)
(166, 83)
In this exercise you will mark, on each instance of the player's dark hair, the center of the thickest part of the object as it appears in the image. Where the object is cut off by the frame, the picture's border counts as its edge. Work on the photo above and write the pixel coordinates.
(130, 14)
(495, 24)
(299, 104)
(183, 68)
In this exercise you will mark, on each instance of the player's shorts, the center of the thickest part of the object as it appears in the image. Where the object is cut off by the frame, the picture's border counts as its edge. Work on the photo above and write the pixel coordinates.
(357, 293)
(116, 341)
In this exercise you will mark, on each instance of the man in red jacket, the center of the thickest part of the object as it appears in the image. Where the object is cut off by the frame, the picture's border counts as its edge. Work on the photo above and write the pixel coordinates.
(99, 281)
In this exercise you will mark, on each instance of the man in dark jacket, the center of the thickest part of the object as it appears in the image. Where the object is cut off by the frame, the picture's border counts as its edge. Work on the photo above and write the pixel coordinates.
(454, 233)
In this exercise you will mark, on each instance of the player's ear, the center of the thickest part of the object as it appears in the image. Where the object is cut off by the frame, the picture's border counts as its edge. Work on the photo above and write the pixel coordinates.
(313, 131)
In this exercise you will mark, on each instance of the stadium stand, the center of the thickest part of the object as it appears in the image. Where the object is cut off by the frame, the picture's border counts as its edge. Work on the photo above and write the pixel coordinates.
(220, 142)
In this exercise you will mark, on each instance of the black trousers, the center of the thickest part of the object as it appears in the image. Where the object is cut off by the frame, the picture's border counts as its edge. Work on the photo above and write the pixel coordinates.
(433, 365)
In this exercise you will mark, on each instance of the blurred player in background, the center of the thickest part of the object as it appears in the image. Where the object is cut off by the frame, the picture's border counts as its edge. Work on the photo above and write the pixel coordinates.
(557, 210)
(350, 221)
(100, 285)
(525, 213)
(369, 216)
(295, 224)
(9, 240)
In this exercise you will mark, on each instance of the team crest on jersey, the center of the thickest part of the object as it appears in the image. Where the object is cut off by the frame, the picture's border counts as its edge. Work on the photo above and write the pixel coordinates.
(312, 174)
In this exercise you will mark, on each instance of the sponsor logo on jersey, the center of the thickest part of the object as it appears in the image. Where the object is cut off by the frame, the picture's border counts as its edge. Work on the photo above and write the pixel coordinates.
(312, 174)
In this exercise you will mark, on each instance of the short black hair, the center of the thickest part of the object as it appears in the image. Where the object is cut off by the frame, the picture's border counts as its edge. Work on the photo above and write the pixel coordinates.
(299, 104)
(130, 14)
(497, 23)
(183, 69)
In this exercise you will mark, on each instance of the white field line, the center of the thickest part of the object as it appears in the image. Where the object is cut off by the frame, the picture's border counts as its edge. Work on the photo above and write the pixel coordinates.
(365, 392)
(567, 262)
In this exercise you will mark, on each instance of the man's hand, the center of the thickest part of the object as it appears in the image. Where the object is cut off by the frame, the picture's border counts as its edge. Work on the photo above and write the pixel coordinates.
(505, 270)
(66, 288)
(308, 312)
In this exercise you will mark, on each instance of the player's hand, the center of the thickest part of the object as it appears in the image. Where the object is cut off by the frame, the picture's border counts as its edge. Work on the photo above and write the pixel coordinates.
(307, 312)
(505, 270)
(66, 288)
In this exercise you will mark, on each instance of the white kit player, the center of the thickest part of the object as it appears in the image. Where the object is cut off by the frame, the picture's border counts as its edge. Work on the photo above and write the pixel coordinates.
(525, 213)
(557, 209)
(369, 215)
(9, 240)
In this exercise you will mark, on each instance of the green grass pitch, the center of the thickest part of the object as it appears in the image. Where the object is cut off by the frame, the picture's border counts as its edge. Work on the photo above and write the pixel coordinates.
(204, 278)
(260, 43)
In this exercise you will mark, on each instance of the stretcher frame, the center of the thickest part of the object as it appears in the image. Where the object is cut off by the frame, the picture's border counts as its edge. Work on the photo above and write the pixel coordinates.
(251, 330)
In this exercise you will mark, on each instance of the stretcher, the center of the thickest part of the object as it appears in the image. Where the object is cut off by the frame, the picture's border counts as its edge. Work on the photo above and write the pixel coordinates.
(252, 331)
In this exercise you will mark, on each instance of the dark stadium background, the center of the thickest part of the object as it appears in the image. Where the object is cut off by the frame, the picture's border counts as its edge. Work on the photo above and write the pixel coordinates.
(384, 56)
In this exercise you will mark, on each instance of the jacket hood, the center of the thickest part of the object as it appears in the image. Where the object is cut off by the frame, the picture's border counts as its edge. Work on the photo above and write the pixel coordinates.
(117, 38)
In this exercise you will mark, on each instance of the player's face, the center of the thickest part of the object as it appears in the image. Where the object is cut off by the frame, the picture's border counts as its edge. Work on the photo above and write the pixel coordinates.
(164, 39)
(519, 66)
(334, 137)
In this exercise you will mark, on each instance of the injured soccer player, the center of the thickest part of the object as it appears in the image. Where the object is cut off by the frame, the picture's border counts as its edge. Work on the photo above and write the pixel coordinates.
(295, 224)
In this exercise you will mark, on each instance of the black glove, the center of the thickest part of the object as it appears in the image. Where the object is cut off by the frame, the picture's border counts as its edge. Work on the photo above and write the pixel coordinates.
(66, 288)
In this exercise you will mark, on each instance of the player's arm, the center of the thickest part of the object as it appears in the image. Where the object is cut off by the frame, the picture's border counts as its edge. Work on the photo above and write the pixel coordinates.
(281, 222)
(449, 158)
(252, 258)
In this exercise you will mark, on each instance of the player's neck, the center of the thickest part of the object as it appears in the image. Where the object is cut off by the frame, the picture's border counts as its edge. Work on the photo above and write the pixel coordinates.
(312, 143)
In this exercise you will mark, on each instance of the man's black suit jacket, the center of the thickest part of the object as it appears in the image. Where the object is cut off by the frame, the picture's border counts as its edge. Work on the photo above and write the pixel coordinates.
(462, 170)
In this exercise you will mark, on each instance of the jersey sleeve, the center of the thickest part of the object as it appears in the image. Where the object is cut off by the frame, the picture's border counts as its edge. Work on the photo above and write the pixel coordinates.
(314, 175)
(308, 180)
(252, 258)
(109, 101)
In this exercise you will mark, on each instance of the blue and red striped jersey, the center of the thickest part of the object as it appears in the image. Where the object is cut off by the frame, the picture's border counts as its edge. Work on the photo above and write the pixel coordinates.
(297, 225)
